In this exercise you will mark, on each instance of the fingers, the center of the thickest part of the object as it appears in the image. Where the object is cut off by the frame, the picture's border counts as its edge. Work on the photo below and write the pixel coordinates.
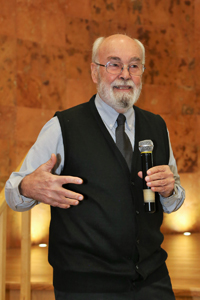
(73, 198)
(69, 179)
(161, 180)
(58, 196)
(63, 202)
(159, 169)
(47, 188)
(67, 197)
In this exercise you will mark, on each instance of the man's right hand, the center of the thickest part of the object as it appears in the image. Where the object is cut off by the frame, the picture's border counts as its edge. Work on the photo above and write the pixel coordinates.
(45, 187)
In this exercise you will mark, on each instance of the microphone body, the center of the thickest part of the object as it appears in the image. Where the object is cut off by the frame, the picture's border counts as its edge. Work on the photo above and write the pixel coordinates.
(146, 149)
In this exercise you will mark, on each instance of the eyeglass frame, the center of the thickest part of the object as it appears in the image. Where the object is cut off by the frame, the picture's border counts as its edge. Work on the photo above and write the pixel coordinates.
(106, 65)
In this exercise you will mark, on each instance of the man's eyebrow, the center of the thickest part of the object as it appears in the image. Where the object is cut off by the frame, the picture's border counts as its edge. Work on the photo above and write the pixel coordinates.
(114, 58)
(135, 58)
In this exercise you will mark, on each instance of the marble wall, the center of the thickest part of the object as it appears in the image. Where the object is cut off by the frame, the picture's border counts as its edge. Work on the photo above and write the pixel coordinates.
(45, 54)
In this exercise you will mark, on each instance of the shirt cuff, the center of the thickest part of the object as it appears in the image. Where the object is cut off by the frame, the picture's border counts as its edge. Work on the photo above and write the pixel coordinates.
(173, 202)
(16, 201)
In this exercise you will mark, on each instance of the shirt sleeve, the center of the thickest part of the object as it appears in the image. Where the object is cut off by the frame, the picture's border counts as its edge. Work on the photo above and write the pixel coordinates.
(175, 201)
(49, 141)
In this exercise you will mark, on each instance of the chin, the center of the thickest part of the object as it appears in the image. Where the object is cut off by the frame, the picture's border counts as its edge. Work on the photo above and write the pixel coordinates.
(125, 101)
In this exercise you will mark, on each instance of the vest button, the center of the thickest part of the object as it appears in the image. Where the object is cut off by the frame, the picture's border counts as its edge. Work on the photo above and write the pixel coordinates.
(138, 241)
(133, 183)
(137, 267)
(137, 212)
(133, 283)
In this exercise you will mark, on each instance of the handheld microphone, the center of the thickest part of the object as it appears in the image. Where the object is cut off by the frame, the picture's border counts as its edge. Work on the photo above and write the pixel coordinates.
(146, 148)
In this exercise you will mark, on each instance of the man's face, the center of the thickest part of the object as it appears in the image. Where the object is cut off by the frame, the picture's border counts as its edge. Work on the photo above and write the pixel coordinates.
(119, 91)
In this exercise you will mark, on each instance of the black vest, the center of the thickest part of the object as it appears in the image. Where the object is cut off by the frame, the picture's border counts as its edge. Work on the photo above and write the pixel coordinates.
(108, 239)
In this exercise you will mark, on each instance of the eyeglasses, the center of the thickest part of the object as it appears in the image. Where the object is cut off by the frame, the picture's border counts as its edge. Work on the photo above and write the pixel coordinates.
(116, 68)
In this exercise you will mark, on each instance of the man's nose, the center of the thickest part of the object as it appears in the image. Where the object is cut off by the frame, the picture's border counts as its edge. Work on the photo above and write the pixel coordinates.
(125, 73)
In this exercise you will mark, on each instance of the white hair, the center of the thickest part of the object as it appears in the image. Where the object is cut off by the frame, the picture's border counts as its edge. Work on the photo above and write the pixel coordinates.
(98, 42)
(142, 48)
(95, 48)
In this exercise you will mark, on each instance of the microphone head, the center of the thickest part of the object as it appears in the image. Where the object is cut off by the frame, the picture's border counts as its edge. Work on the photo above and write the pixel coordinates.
(146, 146)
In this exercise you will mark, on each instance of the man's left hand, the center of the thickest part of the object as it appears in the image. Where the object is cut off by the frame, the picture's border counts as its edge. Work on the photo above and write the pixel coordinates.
(160, 179)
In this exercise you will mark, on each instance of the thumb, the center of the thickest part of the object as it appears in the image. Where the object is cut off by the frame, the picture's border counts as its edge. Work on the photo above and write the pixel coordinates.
(48, 166)
(140, 174)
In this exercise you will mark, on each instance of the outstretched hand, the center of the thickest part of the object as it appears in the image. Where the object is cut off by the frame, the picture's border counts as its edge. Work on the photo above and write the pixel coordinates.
(160, 179)
(43, 186)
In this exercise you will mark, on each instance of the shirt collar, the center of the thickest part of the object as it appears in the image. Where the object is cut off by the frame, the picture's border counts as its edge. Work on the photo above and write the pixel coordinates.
(109, 115)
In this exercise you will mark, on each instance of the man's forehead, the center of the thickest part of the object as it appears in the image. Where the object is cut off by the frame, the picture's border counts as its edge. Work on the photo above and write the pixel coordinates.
(120, 46)
(116, 58)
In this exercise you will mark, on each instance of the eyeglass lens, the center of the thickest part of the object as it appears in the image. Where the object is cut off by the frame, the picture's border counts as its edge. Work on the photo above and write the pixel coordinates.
(117, 67)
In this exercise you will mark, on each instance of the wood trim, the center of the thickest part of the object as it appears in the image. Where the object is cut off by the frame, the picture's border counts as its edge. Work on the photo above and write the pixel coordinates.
(35, 286)
(25, 292)
(187, 292)
(2, 201)
(3, 219)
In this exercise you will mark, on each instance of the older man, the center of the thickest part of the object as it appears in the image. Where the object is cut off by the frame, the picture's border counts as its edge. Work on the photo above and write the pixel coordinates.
(102, 243)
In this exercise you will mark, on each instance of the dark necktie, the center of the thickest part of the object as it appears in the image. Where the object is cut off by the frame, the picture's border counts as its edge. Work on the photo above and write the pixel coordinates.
(122, 140)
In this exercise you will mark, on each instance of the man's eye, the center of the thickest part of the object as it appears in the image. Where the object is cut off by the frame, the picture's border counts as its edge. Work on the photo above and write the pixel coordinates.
(114, 65)
(135, 66)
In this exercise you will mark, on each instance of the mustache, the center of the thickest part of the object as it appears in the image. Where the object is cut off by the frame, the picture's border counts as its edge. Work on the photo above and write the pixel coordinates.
(119, 82)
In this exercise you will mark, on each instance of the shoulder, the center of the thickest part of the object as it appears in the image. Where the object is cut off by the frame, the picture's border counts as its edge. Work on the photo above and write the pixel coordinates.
(71, 112)
(80, 114)
(146, 121)
(76, 110)
(142, 115)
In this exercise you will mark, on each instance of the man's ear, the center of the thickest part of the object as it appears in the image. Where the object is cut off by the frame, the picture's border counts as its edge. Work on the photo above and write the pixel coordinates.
(94, 72)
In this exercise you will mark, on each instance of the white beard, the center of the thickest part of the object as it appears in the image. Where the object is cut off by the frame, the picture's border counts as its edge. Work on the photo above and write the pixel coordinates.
(117, 99)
